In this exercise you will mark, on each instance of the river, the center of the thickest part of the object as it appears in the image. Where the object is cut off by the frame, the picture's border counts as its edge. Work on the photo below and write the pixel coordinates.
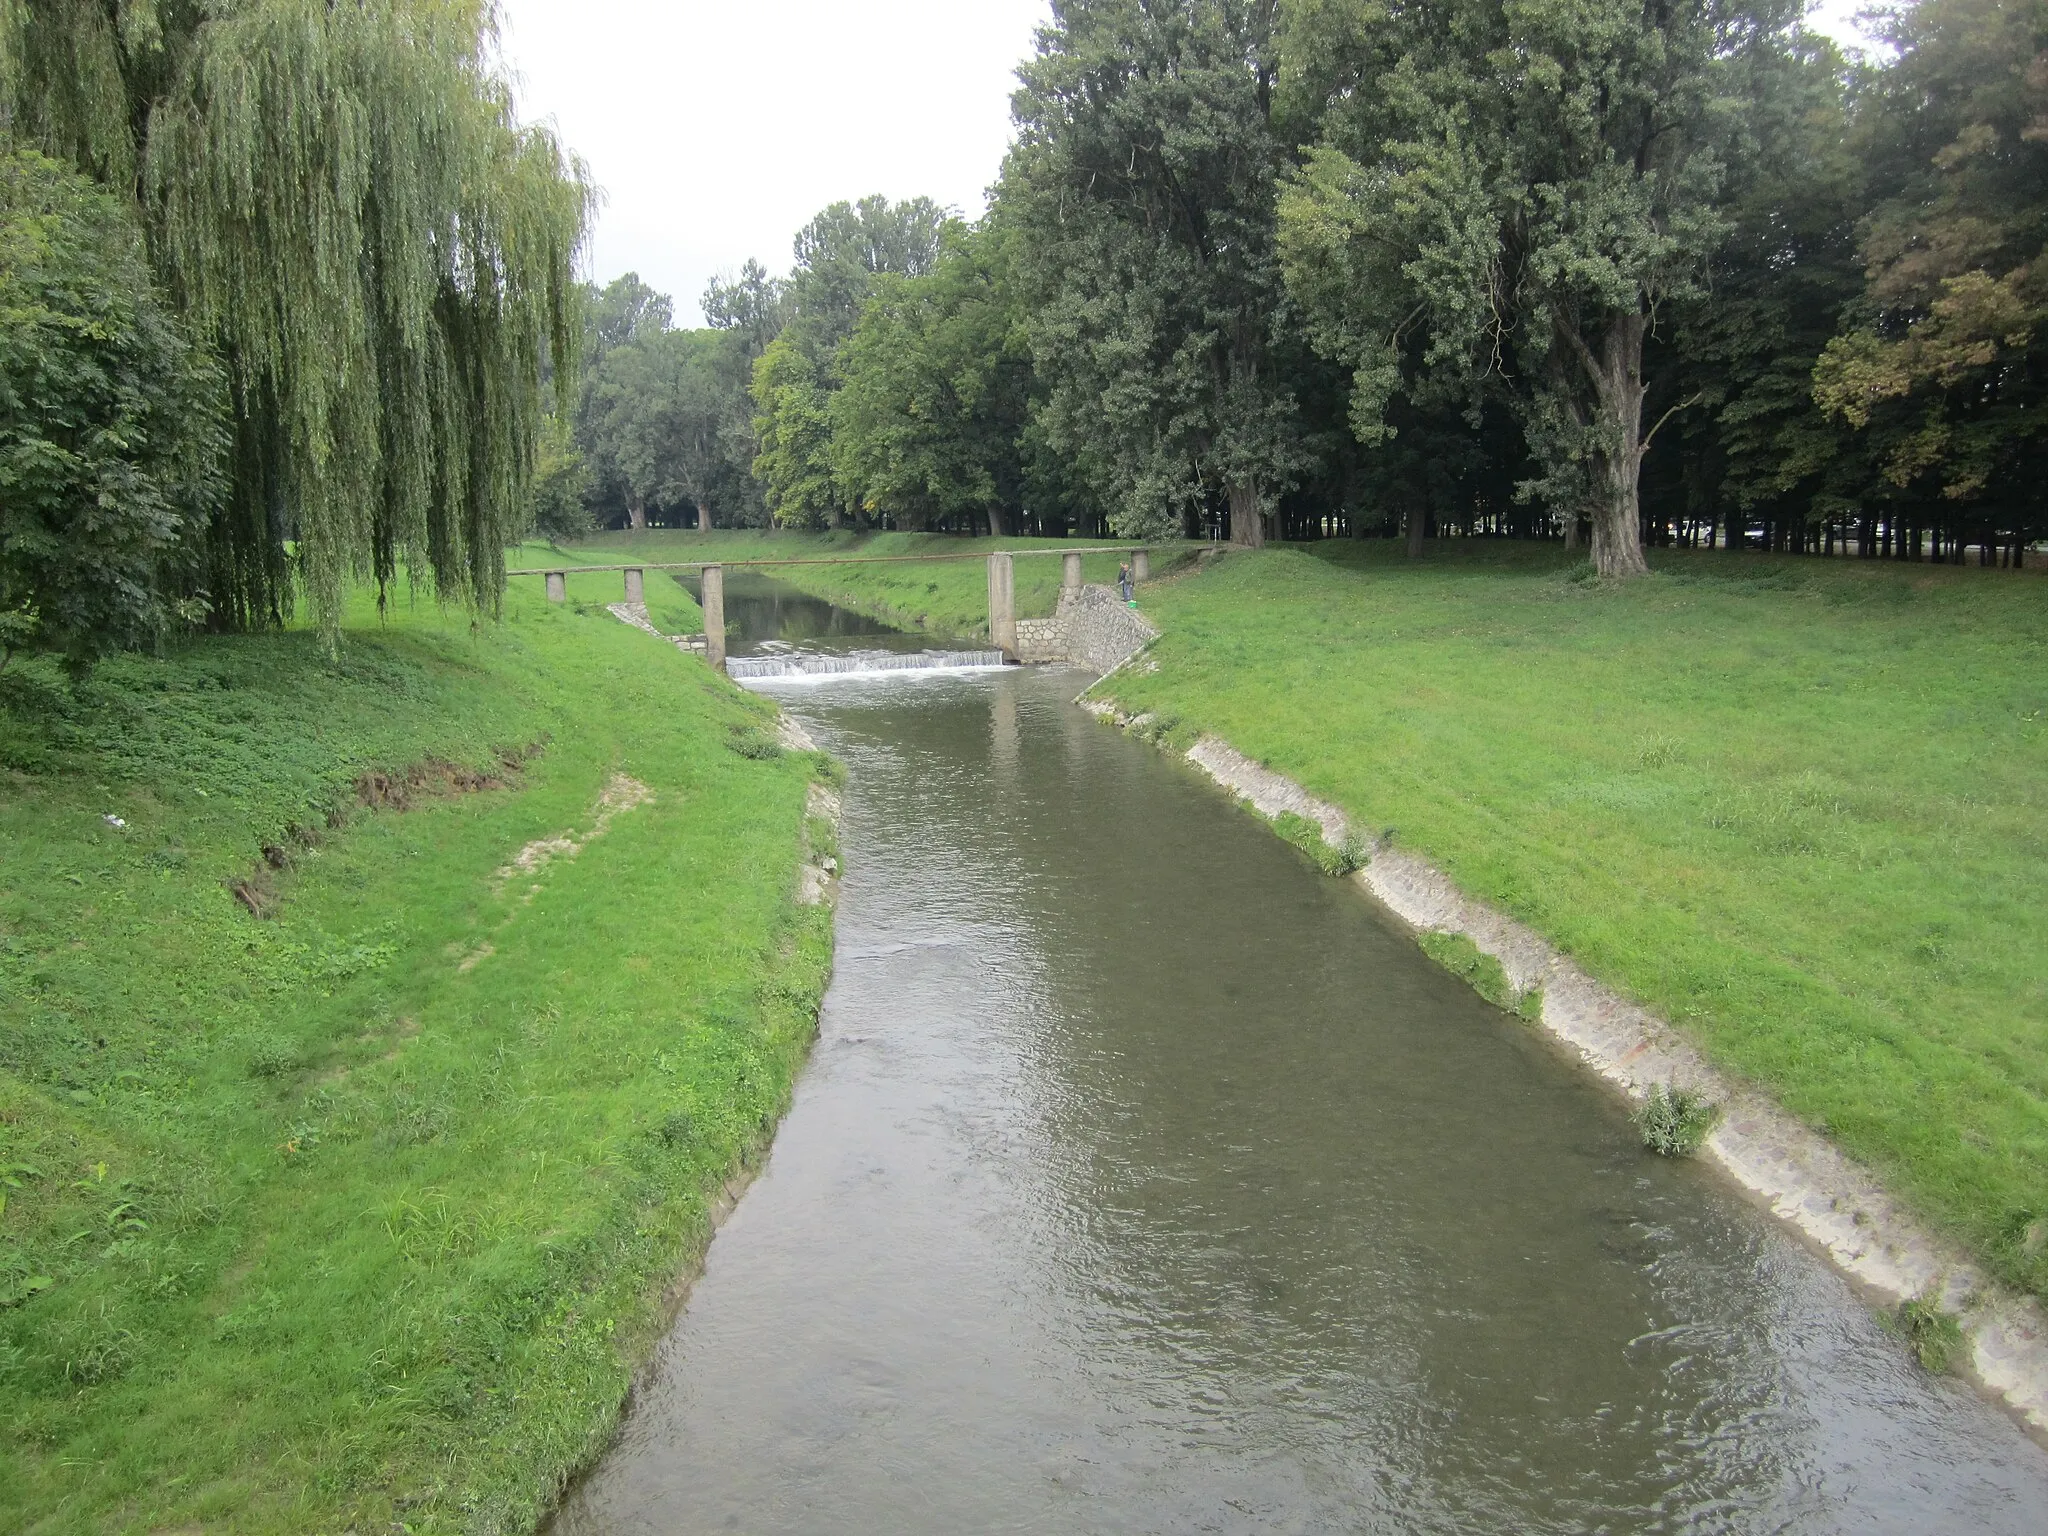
(1145, 1180)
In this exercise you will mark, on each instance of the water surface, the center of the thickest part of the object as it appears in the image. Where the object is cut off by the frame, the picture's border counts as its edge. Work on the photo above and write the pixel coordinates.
(1144, 1180)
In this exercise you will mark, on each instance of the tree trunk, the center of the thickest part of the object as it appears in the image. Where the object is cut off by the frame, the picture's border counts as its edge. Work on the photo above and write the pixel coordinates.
(636, 514)
(995, 521)
(1418, 526)
(1617, 514)
(1246, 531)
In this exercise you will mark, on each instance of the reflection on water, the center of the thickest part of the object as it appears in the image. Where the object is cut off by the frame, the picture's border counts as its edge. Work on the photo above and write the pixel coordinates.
(1144, 1180)
(764, 616)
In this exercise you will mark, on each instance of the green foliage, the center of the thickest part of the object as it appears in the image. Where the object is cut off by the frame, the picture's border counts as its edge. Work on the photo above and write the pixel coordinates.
(843, 256)
(561, 484)
(794, 429)
(1307, 835)
(1744, 792)
(1141, 188)
(929, 415)
(1935, 1336)
(343, 205)
(364, 1214)
(110, 423)
(1675, 1122)
(1466, 960)
(1943, 363)
(652, 418)
(663, 417)
(1469, 225)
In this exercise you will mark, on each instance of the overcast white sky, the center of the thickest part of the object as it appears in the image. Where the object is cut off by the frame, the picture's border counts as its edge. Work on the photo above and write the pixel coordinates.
(716, 130)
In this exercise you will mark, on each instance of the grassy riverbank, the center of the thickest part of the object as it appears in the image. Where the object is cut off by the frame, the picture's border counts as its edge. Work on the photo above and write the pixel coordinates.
(356, 1215)
(948, 597)
(1800, 807)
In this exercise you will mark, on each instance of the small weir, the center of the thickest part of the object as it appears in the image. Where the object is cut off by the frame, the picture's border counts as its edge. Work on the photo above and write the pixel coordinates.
(1143, 1180)
(802, 664)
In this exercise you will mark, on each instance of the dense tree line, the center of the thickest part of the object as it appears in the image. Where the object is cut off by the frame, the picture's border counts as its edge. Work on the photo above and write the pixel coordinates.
(292, 281)
(292, 274)
(1613, 272)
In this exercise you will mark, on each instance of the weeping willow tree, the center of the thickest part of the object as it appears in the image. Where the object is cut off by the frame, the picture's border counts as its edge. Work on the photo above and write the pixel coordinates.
(341, 202)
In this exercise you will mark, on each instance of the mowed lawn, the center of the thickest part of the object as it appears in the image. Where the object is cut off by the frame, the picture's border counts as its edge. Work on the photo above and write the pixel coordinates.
(358, 1215)
(945, 597)
(1798, 806)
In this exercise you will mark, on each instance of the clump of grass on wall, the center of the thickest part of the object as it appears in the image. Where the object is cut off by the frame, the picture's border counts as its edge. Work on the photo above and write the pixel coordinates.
(1935, 1336)
(1466, 960)
(1675, 1122)
(1307, 835)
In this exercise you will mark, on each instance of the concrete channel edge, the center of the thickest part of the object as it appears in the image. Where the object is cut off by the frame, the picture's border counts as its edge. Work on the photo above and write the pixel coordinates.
(1804, 1179)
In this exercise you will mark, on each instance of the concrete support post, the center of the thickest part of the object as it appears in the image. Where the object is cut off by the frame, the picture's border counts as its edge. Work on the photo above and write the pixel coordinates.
(1070, 572)
(1002, 604)
(1141, 565)
(558, 586)
(714, 616)
(636, 586)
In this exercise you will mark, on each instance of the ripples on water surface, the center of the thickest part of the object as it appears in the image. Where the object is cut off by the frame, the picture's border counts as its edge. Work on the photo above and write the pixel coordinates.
(1145, 1181)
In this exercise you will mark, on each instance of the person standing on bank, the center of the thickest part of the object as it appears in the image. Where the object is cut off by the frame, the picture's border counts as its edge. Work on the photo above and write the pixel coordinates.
(1123, 580)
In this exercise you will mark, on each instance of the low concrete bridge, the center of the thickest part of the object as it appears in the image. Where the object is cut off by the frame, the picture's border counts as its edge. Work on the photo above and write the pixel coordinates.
(1002, 591)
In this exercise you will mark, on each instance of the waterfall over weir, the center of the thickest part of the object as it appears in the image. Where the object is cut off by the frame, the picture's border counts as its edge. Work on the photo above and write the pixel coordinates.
(859, 664)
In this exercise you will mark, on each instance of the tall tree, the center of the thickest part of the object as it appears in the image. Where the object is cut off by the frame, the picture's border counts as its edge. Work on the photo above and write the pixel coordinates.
(1142, 184)
(1512, 193)
(934, 384)
(1750, 443)
(344, 206)
(749, 312)
(651, 421)
(841, 252)
(839, 256)
(1945, 361)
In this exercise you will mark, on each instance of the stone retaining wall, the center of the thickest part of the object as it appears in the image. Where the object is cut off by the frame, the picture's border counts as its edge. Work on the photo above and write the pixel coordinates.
(1093, 627)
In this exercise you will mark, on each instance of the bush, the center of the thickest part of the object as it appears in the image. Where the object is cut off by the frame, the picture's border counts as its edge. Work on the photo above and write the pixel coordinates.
(111, 424)
(1676, 1121)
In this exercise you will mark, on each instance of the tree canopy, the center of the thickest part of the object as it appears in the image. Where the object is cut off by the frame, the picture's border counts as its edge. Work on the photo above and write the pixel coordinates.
(341, 206)
(1143, 188)
(1648, 270)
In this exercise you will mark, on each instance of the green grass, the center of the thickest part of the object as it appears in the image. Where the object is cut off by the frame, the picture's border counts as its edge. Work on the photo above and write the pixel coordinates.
(1800, 807)
(945, 597)
(359, 1217)
(1480, 971)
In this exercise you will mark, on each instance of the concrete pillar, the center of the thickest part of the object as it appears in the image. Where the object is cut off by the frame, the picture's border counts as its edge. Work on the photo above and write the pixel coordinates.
(558, 586)
(713, 600)
(1070, 572)
(1141, 565)
(636, 586)
(1002, 604)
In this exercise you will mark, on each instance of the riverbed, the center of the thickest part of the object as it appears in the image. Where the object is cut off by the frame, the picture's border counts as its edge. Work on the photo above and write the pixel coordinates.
(1144, 1180)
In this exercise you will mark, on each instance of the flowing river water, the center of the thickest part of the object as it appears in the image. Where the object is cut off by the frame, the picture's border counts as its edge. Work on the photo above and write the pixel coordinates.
(1145, 1180)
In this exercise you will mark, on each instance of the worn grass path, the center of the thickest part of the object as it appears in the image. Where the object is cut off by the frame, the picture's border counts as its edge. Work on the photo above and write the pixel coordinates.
(359, 1216)
(1799, 807)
